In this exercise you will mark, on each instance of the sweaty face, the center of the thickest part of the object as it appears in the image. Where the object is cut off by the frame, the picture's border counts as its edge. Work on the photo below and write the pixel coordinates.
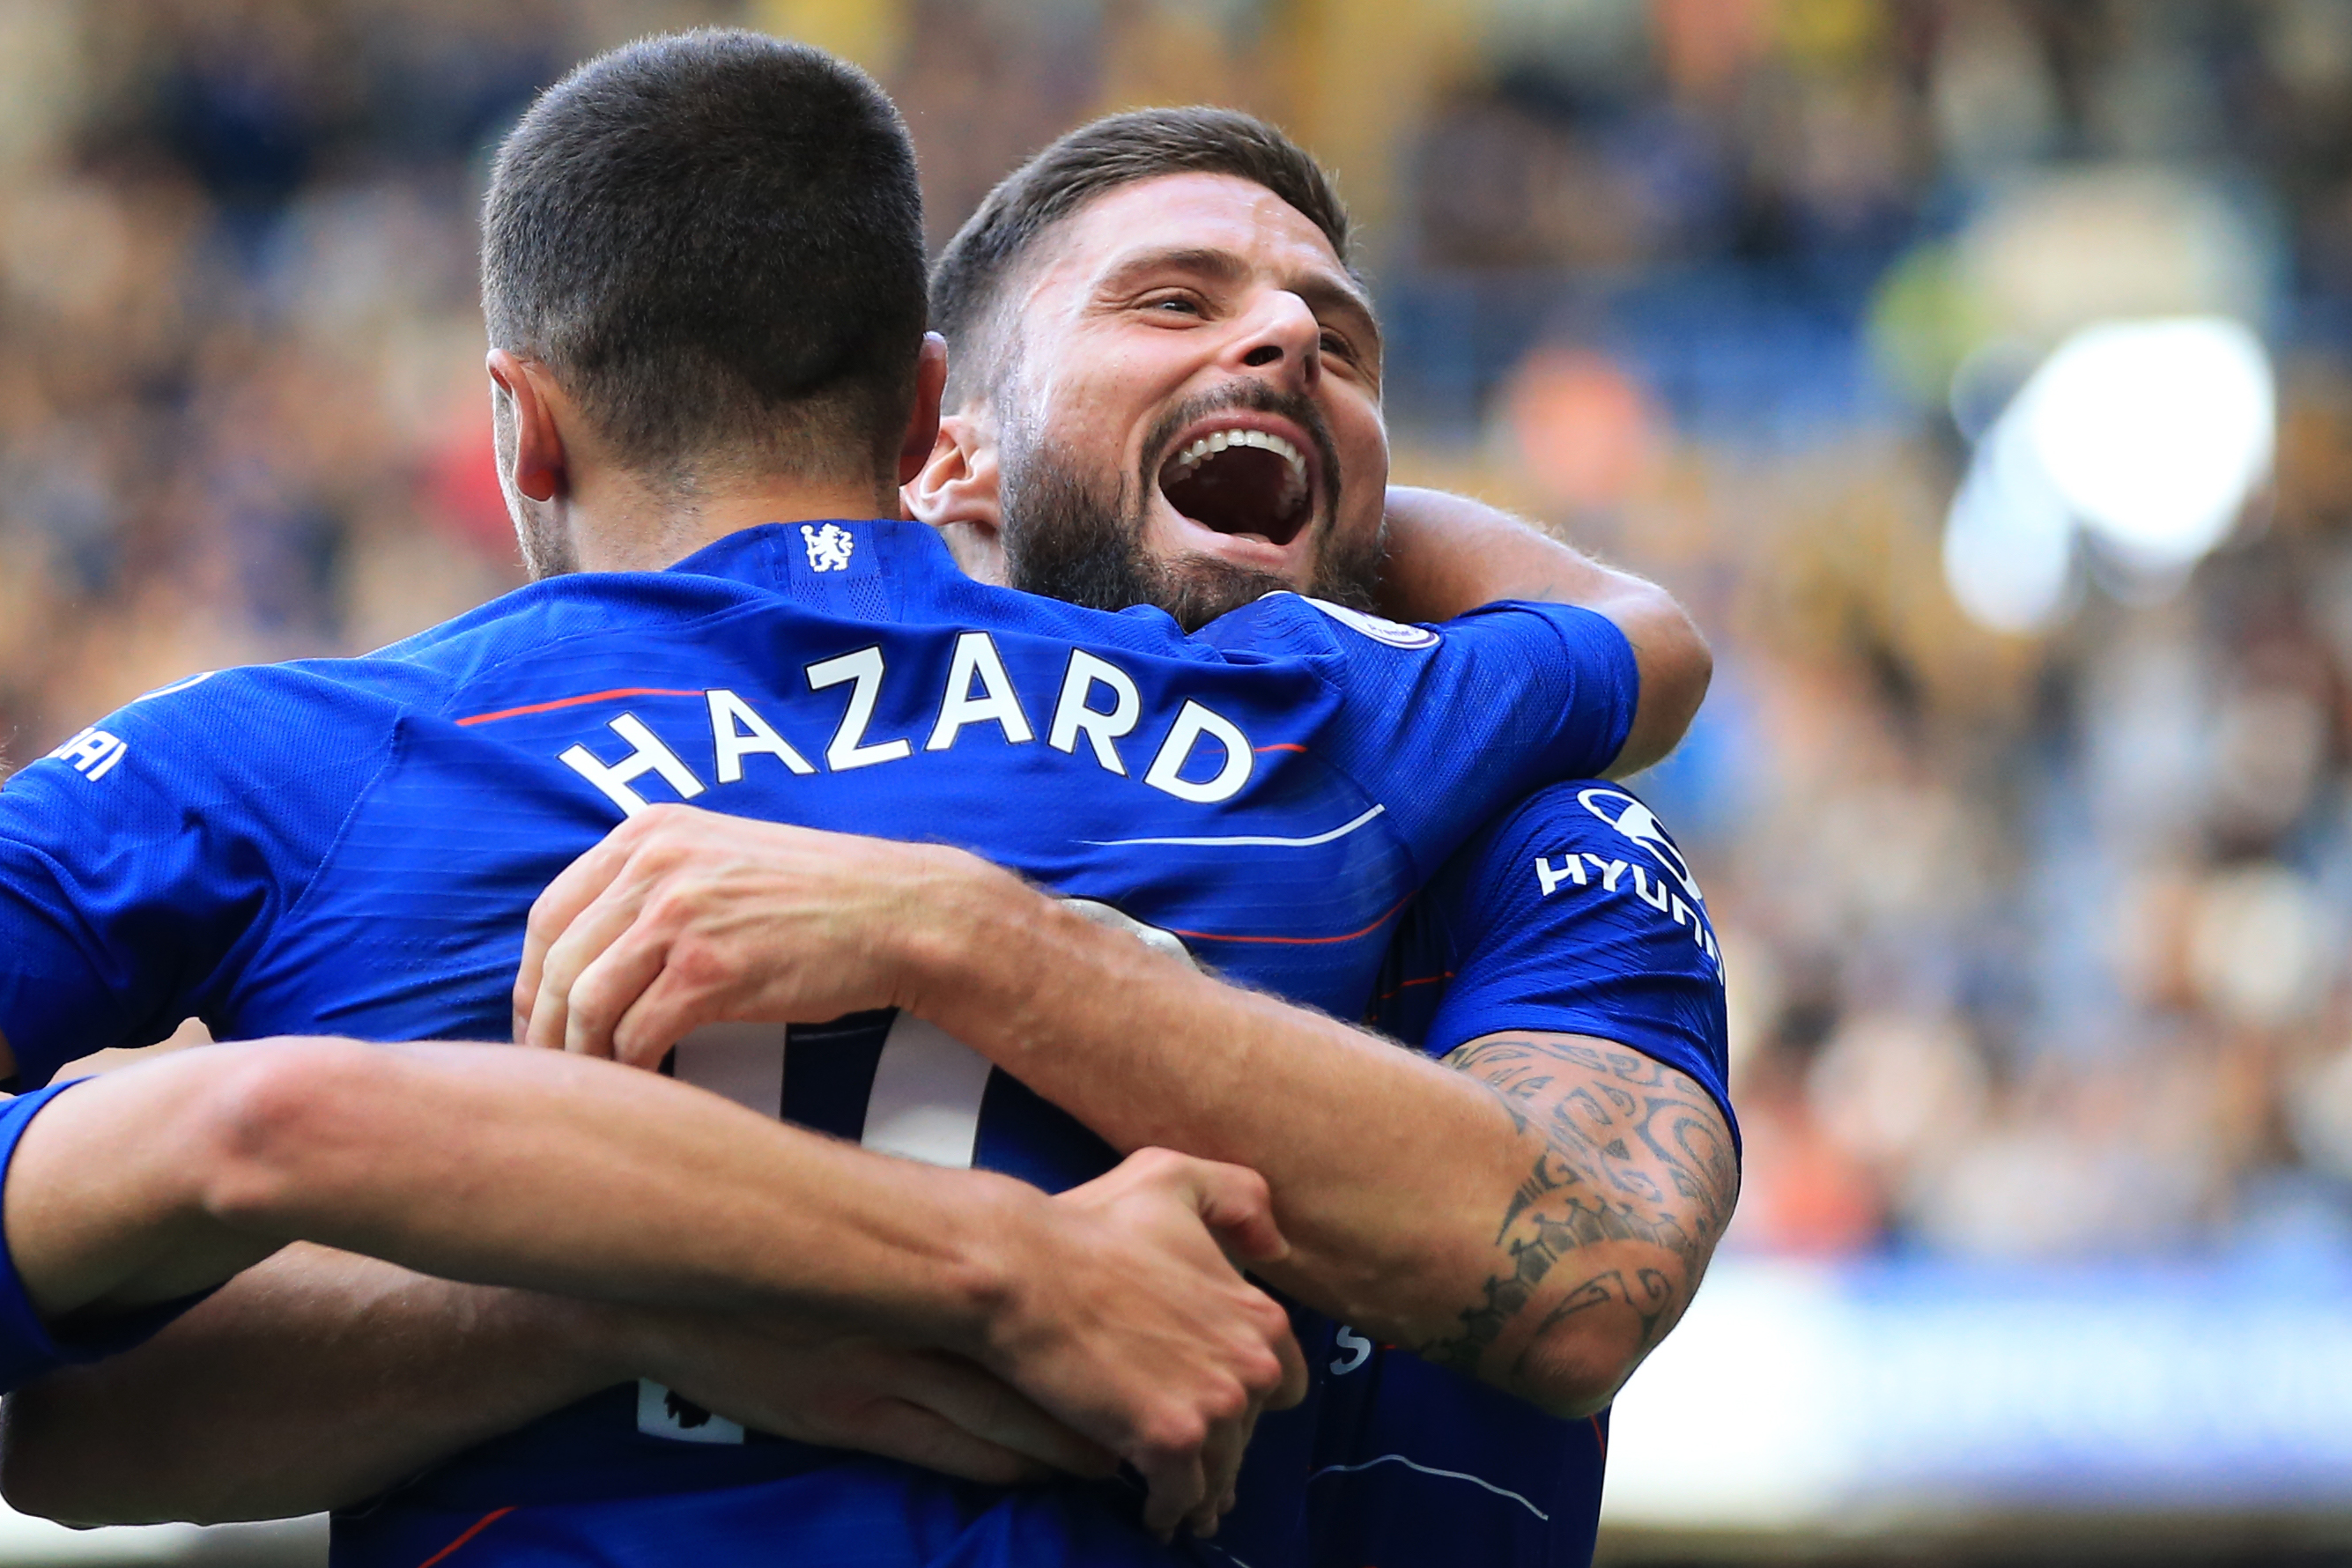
(1192, 416)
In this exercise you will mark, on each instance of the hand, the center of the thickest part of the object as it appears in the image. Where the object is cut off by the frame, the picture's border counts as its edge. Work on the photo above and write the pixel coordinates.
(683, 917)
(1129, 1324)
(926, 1408)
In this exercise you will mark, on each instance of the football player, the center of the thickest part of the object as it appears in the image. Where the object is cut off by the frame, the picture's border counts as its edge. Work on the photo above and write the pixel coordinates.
(1537, 1218)
(695, 264)
(1563, 964)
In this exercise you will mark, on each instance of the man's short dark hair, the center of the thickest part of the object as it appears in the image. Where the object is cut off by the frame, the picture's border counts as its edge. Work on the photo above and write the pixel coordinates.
(714, 240)
(969, 281)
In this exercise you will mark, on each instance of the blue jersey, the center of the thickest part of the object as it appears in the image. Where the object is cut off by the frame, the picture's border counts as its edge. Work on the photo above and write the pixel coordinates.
(1576, 914)
(353, 847)
(28, 1346)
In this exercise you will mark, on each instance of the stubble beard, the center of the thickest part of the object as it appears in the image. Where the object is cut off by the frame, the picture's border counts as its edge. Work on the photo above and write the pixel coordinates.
(1079, 538)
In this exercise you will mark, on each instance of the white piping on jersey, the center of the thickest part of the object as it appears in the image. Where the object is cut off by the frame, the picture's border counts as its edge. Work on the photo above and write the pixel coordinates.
(1432, 1470)
(1245, 842)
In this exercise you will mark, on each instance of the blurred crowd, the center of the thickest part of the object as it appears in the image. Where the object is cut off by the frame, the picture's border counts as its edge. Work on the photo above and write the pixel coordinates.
(2035, 941)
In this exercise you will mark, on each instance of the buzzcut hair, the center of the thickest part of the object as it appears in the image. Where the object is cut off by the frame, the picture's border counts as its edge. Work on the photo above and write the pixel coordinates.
(714, 240)
(969, 281)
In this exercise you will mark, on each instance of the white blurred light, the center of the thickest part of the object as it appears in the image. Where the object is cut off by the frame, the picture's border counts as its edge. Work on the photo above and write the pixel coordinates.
(2008, 547)
(2155, 432)
(2149, 435)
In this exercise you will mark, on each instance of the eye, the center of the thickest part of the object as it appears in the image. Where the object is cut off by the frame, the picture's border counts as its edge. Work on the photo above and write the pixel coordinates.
(1339, 347)
(1172, 305)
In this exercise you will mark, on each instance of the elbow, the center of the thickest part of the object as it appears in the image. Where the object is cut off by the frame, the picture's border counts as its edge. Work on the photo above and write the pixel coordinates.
(268, 1129)
(1573, 1375)
(1678, 666)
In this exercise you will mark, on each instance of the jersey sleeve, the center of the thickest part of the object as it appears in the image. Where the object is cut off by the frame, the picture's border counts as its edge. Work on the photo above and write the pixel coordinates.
(1577, 914)
(30, 1348)
(1447, 725)
(142, 858)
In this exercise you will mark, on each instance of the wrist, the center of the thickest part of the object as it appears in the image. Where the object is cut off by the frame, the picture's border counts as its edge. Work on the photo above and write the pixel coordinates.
(602, 1342)
(1002, 1249)
(954, 958)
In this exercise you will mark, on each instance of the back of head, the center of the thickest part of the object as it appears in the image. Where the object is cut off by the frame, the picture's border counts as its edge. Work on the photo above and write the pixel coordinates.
(968, 284)
(713, 240)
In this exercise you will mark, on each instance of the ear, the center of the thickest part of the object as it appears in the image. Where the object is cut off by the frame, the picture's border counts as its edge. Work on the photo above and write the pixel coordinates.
(923, 425)
(958, 492)
(537, 469)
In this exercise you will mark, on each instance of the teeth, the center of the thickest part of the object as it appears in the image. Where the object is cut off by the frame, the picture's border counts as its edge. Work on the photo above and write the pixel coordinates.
(1218, 440)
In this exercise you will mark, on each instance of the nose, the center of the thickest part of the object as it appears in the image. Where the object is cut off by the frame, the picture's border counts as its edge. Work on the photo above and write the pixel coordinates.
(1281, 338)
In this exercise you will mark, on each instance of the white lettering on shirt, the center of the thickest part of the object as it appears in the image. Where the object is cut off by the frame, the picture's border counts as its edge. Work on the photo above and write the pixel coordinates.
(976, 656)
(646, 755)
(737, 732)
(1071, 714)
(848, 748)
(93, 753)
(1167, 769)
(1551, 880)
(979, 688)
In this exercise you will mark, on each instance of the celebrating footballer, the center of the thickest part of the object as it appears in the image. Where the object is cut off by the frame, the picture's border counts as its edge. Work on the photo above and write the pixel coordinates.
(1008, 957)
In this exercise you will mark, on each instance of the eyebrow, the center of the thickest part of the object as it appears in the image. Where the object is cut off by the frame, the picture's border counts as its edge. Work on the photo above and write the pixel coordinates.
(1326, 295)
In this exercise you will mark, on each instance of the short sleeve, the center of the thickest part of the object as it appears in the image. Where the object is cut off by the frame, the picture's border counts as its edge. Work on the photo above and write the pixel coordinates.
(1578, 914)
(139, 860)
(1449, 725)
(30, 1348)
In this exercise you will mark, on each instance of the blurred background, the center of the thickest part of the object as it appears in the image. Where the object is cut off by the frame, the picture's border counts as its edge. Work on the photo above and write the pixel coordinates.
(1980, 372)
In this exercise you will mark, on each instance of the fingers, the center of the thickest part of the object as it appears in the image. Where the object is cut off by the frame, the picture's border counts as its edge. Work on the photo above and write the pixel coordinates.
(995, 1413)
(1293, 1386)
(1173, 1472)
(1235, 1202)
(1221, 1463)
(582, 942)
(898, 1430)
(624, 951)
(576, 886)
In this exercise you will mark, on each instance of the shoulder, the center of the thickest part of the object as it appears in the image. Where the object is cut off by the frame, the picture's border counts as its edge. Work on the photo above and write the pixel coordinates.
(1579, 828)
(297, 737)
(1577, 913)
(1584, 876)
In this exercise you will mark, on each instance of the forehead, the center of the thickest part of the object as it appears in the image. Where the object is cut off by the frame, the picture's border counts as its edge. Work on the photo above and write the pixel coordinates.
(1191, 211)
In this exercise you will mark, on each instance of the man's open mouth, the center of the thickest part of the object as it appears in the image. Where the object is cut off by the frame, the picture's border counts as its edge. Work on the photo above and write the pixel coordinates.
(1251, 484)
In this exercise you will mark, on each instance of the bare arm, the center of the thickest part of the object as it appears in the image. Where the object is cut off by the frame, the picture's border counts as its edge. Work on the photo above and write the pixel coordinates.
(312, 1381)
(519, 1170)
(1408, 1191)
(1629, 1181)
(1448, 554)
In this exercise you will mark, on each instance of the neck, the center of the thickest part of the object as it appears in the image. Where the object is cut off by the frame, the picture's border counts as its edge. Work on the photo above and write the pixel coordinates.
(623, 525)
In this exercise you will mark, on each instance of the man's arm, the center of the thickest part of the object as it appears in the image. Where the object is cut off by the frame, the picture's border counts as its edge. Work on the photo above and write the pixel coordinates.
(540, 1173)
(1448, 554)
(1630, 1181)
(1404, 1189)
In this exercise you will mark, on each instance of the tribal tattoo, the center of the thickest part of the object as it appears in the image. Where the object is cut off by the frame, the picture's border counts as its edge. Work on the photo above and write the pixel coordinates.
(1625, 1150)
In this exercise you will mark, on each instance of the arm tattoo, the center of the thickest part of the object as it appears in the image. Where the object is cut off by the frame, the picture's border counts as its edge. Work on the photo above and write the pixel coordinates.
(1623, 1149)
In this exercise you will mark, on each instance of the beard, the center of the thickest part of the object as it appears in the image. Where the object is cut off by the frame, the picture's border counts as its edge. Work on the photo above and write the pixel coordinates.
(1080, 538)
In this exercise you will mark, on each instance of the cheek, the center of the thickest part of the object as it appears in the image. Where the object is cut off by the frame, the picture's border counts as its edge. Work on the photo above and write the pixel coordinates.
(1362, 443)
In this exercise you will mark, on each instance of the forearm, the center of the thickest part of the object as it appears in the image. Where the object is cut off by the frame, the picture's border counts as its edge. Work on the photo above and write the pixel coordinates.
(498, 1166)
(1537, 1213)
(1448, 554)
(312, 1381)
(319, 1377)
(1383, 1166)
